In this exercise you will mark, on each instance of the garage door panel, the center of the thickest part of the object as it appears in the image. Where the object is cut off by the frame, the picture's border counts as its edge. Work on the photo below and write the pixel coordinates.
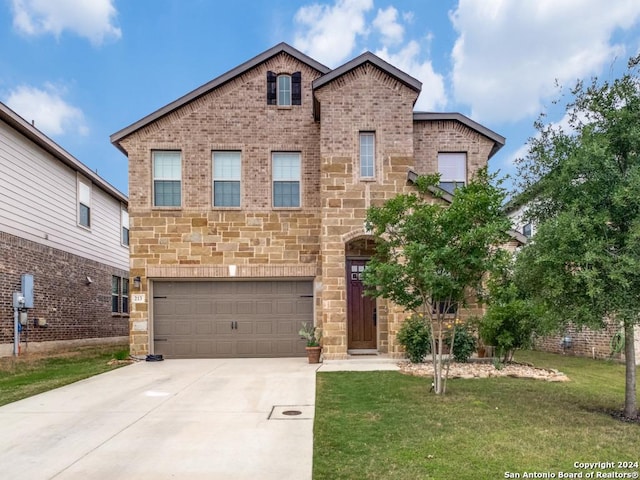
(231, 318)
(264, 307)
(245, 308)
(223, 307)
(285, 307)
(244, 328)
(204, 328)
(183, 327)
(288, 327)
(264, 328)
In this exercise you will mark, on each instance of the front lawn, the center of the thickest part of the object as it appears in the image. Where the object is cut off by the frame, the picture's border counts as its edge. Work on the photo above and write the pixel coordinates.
(30, 374)
(385, 425)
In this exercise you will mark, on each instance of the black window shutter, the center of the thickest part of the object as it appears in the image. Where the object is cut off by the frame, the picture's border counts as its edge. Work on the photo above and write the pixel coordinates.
(271, 88)
(296, 88)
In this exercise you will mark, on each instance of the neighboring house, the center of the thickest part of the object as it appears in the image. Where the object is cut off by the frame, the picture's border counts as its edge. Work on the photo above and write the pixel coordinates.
(583, 342)
(68, 228)
(248, 199)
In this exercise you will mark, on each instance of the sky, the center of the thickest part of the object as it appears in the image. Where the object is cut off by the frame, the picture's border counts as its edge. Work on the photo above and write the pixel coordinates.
(84, 69)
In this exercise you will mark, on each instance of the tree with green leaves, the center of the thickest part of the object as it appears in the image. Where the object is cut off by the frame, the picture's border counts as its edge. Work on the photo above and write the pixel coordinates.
(510, 319)
(583, 265)
(431, 255)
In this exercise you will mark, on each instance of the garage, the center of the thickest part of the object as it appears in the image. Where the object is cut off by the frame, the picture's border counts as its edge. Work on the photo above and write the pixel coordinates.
(220, 319)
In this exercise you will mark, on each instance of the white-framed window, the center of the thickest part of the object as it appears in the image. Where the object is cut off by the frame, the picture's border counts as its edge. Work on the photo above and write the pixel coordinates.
(226, 169)
(84, 202)
(527, 230)
(367, 155)
(124, 226)
(284, 90)
(119, 294)
(453, 170)
(286, 179)
(167, 178)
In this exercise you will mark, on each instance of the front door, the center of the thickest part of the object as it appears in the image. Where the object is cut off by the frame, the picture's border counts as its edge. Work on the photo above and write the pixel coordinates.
(361, 310)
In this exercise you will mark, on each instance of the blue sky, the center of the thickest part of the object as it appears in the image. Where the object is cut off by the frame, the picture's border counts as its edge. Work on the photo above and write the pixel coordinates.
(84, 69)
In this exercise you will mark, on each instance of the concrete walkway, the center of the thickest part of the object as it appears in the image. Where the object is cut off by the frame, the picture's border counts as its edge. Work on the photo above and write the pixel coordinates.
(177, 419)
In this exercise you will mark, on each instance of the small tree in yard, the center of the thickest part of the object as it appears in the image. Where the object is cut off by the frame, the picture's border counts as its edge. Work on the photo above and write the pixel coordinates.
(583, 265)
(430, 256)
(511, 319)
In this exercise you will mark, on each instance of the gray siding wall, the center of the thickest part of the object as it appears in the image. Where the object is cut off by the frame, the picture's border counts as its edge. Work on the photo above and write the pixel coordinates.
(38, 202)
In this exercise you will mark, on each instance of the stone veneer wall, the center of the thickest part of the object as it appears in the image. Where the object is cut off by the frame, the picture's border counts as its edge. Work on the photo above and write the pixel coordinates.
(72, 309)
(199, 239)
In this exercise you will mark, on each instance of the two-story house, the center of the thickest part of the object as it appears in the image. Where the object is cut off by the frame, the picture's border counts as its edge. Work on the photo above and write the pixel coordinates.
(247, 201)
(67, 230)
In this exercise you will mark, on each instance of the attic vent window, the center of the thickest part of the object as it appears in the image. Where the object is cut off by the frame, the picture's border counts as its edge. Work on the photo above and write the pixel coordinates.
(283, 89)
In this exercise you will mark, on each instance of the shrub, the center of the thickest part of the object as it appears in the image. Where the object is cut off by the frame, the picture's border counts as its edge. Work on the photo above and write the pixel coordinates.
(464, 344)
(415, 336)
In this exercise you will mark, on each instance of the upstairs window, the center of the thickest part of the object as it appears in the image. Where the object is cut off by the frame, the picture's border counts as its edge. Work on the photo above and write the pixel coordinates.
(84, 202)
(286, 180)
(167, 179)
(526, 230)
(226, 179)
(283, 89)
(367, 155)
(453, 170)
(124, 222)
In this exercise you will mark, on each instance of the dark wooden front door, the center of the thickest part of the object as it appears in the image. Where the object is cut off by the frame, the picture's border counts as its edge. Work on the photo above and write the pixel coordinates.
(361, 321)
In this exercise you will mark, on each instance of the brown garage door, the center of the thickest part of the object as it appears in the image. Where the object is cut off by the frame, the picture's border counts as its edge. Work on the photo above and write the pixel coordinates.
(230, 318)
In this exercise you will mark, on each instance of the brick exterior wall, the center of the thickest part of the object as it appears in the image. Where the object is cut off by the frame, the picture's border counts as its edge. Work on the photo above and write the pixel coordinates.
(200, 241)
(72, 309)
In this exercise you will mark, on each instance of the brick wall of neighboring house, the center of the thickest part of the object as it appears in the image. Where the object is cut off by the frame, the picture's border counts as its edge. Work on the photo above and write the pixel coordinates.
(72, 308)
(584, 342)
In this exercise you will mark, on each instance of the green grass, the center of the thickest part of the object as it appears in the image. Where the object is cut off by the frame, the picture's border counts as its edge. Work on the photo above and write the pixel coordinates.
(385, 425)
(29, 375)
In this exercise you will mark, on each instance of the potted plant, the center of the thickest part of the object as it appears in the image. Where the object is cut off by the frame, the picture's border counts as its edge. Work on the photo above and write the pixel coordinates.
(311, 334)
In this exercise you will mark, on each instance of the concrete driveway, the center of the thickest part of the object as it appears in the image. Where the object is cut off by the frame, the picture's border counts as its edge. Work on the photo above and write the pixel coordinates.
(178, 419)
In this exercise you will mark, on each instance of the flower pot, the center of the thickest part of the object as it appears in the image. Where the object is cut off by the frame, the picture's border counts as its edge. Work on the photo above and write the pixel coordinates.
(482, 352)
(313, 354)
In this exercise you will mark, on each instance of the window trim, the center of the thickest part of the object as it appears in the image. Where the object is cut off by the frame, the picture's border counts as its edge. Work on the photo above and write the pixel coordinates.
(279, 99)
(299, 180)
(154, 179)
(455, 181)
(367, 134)
(82, 181)
(213, 180)
(123, 228)
(121, 294)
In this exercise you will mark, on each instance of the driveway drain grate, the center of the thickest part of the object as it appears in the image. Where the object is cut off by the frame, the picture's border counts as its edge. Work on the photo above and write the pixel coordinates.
(292, 412)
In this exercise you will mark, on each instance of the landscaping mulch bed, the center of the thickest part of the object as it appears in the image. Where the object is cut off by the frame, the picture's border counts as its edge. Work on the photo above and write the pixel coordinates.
(486, 370)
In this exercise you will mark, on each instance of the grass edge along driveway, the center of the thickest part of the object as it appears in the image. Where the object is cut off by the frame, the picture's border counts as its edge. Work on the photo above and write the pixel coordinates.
(386, 425)
(30, 374)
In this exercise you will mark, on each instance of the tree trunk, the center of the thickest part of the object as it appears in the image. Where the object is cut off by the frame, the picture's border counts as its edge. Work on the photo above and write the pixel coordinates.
(630, 408)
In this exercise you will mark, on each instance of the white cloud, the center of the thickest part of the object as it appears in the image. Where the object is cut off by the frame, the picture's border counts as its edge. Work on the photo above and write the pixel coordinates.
(509, 54)
(91, 19)
(328, 33)
(387, 23)
(433, 95)
(47, 110)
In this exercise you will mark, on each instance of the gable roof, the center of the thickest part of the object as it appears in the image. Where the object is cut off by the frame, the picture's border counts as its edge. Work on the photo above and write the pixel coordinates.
(498, 140)
(369, 57)
(215, 83)
(30, 132)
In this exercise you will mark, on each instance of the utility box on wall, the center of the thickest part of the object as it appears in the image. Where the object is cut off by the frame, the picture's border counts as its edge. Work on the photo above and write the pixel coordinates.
(27, 290)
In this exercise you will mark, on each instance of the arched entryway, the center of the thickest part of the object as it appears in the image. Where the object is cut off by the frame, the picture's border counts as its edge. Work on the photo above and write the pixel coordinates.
(362, 321)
